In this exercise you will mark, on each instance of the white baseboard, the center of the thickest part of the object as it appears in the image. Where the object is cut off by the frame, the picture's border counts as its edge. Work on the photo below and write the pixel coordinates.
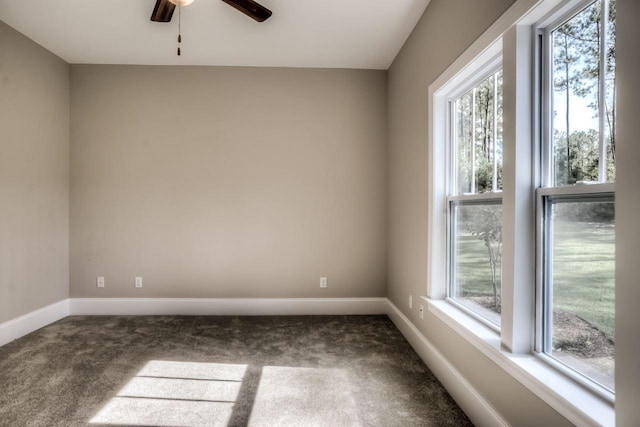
(23, 325)
(479, 411)
(227, 306)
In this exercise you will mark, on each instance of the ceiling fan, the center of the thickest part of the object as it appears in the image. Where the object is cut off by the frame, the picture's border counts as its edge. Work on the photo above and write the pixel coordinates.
(163, 10)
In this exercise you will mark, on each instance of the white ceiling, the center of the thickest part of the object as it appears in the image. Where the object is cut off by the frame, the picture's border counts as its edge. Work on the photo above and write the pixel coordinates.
(300, 33)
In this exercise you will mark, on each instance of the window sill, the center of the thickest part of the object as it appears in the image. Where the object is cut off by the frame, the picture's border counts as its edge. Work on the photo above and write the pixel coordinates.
(578, 404)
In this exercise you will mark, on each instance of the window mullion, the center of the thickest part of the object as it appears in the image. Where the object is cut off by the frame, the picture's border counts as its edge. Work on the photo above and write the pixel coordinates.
(473, 142)
(547, 291)
(602, 91)
(548, 153)
(494, 184)
(453, 130)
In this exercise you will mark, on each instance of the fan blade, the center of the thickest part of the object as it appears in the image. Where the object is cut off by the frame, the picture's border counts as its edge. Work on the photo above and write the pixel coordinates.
(163, 11)
(250, 8)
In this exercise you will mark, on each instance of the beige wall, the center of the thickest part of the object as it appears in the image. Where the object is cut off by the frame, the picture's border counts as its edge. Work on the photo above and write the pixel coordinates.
(446, 29)
(34, 176)
(228, 182)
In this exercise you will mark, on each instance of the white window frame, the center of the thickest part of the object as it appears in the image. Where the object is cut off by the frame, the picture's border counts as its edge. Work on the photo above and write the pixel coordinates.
(481, 71)
(592, 193)
(547, 189)
(512, 35)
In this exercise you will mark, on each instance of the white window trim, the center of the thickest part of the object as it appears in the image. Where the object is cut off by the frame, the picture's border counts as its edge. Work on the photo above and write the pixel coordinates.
(512, 352)
(573, 401)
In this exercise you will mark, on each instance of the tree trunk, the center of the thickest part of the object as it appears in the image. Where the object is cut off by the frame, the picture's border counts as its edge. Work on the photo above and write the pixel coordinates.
(612, 124)
(492, 263)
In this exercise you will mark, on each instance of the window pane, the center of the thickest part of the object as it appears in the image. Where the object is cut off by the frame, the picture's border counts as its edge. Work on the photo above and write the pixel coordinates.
(582, 287)
(484, 136)
(498, 147)
(610, 103)
(576, 68)
(477, 130)
(463, 131)
(477, 257)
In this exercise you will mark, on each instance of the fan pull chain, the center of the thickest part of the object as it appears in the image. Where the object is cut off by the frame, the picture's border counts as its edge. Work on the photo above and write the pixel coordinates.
(179, 28)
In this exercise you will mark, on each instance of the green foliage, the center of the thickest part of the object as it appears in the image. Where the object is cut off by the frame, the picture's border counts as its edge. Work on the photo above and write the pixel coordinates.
(478, 129)
(595, 213)
(577, 72)
(484, 176)
(583, 151)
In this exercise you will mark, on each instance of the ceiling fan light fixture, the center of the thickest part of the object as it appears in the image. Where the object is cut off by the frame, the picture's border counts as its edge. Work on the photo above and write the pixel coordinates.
(181, 2)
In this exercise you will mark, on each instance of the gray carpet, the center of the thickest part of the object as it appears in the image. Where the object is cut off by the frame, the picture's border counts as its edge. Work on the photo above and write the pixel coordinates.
(220, 371)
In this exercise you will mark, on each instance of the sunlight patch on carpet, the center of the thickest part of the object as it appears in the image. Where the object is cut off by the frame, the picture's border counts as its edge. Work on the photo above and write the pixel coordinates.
(169, 393)
(307, 397)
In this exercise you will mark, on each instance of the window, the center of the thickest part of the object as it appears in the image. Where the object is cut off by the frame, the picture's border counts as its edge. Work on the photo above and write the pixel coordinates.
(576, 197)
(474, 202)
(522, 201)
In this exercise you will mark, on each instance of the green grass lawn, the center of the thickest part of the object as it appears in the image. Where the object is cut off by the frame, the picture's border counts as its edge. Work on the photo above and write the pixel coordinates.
(583, 271)
(473, 270)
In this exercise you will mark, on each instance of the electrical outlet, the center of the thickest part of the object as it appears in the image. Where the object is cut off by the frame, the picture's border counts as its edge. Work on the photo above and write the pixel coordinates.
(138, 282)
(421, 312)
(100, 281)
(410, 301)
(323, 282)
